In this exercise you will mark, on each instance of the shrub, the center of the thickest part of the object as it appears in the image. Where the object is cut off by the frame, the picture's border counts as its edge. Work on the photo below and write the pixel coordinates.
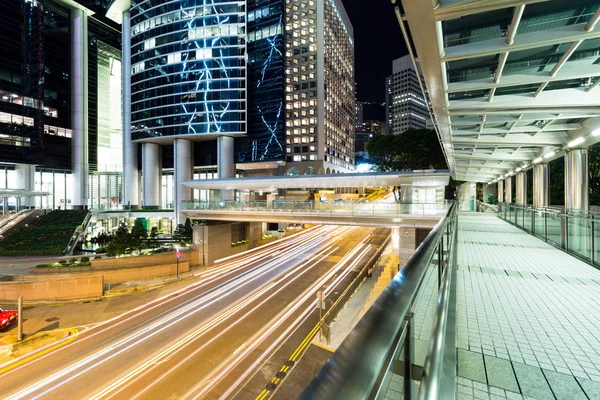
(73, 260)
(85, 259)
(63, 261)
(98, 258)
(101, 249)
(43, 266)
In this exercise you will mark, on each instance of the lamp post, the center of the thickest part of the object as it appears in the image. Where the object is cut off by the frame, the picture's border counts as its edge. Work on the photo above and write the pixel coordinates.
(178, 255)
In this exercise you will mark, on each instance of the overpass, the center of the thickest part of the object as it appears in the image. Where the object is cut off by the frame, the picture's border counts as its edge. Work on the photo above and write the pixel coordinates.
(391, 215)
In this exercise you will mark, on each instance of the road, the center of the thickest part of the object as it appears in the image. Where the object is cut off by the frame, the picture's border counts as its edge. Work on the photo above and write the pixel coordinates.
(208, 339)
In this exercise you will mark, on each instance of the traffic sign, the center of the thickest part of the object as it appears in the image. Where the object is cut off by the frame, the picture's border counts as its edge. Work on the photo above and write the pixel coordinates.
(179, 254)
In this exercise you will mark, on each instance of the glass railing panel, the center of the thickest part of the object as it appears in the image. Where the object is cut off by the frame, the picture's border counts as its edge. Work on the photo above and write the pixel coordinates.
(527, 220)
(578, 236)
(595, 245)
(540, 224)
(553, 223)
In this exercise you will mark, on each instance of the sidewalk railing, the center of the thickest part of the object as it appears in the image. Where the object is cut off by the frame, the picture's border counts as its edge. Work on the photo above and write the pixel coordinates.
(575, 231)
(359, 208)
(380, 349)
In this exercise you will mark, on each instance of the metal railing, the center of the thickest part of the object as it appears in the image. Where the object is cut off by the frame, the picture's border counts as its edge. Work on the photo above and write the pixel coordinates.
(379, 351)
(323, 207)
(575, 231)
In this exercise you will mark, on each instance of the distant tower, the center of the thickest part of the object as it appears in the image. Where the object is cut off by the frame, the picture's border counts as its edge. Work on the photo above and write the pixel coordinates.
(405, 107)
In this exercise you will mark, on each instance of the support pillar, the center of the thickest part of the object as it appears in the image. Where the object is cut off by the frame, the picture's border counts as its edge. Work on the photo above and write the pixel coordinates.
(25, 174)
(225, 164)
(151, 175)
(500, 191)
(79, 106)
(508, 190)
(183, 171)
(521, 188)
(576, 180)
(541, 185)
(131, 172)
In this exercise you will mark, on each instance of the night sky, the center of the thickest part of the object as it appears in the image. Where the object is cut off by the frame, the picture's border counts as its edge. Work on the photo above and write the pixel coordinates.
(377, 42)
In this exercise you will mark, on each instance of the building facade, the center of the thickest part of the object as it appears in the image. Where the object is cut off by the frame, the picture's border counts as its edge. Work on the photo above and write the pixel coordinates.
(405, 106)
(39, 134)
(319, 87)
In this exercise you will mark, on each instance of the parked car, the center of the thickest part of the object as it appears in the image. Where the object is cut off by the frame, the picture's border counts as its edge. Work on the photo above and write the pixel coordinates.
(7, 318)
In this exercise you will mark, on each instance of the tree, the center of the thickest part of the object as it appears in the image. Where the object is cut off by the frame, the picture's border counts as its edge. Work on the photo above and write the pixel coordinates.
(121, 242)
(183, 234)
(594, 172)
(153, 241)
(410, 150)
(139, 234)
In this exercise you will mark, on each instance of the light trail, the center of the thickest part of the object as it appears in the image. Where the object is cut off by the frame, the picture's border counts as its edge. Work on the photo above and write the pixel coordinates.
(229, 269)
(228, 365)
(160, 324)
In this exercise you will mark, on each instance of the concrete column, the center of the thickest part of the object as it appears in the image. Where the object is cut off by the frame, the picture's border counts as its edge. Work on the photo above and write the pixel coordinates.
(521, 188)
(508, 190)
(500, 191)
(407, 243)
(183, 171)
(131, 173)
(576, 180)
(26, 180)
(79, 108)
(5, 205)
(540, 185)
(225, 164)
(151, 175)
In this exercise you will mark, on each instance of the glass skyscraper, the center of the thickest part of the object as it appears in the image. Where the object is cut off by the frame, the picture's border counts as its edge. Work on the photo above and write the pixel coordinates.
(188, 72)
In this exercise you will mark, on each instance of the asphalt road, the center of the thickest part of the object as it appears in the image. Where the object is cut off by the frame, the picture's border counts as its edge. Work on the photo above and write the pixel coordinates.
(207, 340)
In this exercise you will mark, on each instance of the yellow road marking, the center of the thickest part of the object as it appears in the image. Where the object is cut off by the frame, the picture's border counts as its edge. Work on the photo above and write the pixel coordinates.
(73, 334)
(323, 347)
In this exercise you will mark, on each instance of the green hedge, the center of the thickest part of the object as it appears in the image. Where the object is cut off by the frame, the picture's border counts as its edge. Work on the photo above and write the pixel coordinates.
(47, 235)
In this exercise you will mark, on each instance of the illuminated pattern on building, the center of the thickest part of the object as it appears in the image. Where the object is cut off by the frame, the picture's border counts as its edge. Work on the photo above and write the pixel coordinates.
(319, 84)
(188, 68)
(265, 83)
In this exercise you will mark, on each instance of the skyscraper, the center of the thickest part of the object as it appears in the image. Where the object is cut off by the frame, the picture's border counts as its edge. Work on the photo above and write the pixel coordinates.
(319, 87)
(405, 106)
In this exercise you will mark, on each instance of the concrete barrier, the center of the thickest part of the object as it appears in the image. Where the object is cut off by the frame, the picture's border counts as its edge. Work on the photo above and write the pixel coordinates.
(144, 261)
(113, 276)
(60, 289)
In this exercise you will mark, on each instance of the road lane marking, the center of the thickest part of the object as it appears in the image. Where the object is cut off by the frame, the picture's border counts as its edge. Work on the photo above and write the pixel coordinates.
(73, 333)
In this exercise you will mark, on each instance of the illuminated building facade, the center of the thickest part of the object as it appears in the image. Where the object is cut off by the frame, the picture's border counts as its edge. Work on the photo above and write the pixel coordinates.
(405, 106)
(319, 87)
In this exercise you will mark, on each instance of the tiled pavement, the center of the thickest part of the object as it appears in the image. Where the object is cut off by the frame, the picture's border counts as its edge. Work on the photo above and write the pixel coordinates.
(528, 316)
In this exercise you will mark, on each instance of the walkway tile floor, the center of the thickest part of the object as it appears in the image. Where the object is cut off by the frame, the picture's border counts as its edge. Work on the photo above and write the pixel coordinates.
(528, 316)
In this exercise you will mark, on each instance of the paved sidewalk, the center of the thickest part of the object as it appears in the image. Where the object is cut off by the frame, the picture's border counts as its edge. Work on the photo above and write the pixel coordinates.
(361, 300)
(528, 316)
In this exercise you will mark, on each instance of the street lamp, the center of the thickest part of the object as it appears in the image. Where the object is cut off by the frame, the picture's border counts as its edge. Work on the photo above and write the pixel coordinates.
(177, 256)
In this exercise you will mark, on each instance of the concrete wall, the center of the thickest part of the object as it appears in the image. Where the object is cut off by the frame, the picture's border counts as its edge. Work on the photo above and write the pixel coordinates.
(113, 276)
(213, 241)
(144, 261)
(63, 289)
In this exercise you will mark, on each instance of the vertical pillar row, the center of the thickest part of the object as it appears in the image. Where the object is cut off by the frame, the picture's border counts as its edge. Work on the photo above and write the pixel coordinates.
(225, 164)
(131, 188)
(576, 180)
(79, 108)
(521, 188)
(540, 185)
(183, 171)
(508, 190)
(151, 175)
(500, 191)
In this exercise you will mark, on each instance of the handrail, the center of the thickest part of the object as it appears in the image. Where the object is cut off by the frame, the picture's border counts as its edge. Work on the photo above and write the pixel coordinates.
(358, 368)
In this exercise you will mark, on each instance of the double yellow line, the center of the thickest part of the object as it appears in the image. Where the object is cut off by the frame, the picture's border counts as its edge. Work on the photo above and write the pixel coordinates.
(72, 335)
(275, 381)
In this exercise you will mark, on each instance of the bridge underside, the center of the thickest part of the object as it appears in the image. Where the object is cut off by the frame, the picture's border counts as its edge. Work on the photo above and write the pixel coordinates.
(296, 217)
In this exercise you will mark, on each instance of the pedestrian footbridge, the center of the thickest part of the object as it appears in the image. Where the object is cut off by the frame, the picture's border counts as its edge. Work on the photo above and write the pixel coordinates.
(381, 214)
